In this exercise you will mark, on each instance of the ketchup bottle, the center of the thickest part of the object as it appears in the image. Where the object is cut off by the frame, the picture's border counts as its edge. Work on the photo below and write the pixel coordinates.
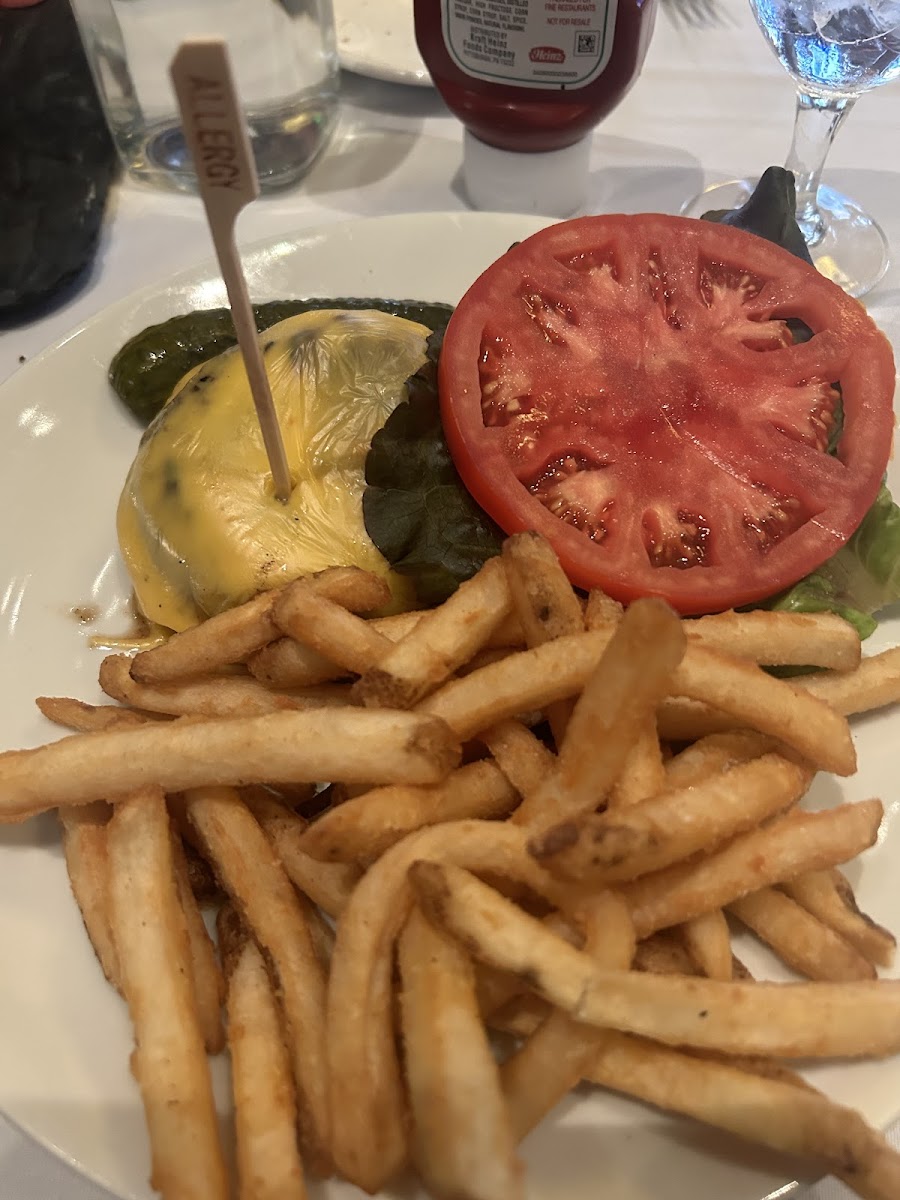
(529, 79)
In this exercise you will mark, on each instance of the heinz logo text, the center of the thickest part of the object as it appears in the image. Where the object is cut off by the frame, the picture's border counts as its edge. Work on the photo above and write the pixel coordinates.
(547, 54)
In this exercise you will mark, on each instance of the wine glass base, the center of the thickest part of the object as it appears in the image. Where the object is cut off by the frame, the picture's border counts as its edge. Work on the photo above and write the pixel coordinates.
(730, 194)
(852, 251)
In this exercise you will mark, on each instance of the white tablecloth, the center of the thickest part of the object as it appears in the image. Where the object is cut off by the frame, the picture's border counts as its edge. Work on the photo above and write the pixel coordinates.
(711, 104)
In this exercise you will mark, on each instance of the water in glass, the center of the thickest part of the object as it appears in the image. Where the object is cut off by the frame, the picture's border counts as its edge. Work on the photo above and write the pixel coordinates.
(831, 47)
(285, 64)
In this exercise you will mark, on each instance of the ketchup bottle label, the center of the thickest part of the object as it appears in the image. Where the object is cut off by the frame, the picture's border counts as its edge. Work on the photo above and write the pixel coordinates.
(557, 44)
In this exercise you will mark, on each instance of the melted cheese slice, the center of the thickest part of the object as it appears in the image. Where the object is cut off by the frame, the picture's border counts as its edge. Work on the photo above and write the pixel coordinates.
(198, 523)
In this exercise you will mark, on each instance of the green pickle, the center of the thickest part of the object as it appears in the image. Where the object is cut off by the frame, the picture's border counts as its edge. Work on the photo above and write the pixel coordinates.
(146, 370)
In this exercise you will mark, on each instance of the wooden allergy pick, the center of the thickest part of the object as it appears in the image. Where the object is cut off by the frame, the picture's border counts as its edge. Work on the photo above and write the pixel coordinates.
(216, 134)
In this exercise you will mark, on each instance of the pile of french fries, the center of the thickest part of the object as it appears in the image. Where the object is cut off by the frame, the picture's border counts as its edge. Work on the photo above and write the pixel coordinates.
(522, 813)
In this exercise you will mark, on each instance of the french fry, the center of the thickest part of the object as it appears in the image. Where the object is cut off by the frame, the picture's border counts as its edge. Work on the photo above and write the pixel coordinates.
(643, 774)
(852, 1019)
(518, 684)
(169, 1062)
(708, 942)
(361, 829)
(201, 876)
(790, 846)
(285, 663)
(773, 706)
(209, 696)
(483, 658)
(232, 636)
(209, 987)
(87, 862)
(305, 614)
(265, 1103)
(89, 718)
(707, 938)
(462, 1138)
(715, 753)
(523, 758)
(369, 1135)
(631, 677)
(621, 844)
(553, 1060)
(352, 745)
(681, 720)
(322, 932)
(617, 700)
(266, 901)
(495, 988)
(442, 641)
(521, 1017)
(226, 638)
(328, 885)
(397, 625)
(780, 639)
(875, 683)
(601, 610)
(799, 938)
(664, 953)
(754, 1064)
(508, 635)
(766, 1111)
(544, 603)
(828, 896)
(265, 802)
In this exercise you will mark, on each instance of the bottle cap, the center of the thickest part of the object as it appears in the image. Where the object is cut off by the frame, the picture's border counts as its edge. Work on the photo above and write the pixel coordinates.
(551, 183)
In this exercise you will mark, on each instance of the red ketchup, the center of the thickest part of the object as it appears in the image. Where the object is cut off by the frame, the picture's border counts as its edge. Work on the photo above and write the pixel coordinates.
(529, 79)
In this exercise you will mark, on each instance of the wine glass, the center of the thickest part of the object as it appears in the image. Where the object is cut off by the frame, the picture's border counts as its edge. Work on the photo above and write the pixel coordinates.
(835, 50)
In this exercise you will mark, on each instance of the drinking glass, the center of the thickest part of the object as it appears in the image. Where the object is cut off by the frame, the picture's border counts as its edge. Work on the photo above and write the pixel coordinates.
(835, 50)
(285, 65)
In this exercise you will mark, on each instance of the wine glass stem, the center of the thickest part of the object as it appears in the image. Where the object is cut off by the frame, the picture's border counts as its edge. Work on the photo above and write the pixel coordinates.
(816, 123)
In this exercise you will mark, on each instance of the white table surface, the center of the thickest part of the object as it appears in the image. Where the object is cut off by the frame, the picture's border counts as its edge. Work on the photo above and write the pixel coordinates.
(711, 104)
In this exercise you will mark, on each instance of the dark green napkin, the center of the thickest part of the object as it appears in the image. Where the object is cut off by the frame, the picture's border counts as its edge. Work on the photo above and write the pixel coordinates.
(57, 159)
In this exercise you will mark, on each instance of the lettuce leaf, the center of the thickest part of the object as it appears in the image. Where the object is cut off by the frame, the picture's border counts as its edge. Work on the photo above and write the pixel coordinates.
(861, 579)
(769, 213)
(416, 509)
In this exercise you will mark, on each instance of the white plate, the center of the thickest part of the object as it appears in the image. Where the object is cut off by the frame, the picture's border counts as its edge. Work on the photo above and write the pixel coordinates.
(64, 1035)
(377, 38)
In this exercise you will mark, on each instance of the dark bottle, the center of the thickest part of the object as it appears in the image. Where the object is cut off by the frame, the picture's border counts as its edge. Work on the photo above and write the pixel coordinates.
(531, 77)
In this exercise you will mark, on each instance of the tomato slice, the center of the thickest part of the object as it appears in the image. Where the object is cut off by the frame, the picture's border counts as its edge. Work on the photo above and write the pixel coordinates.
(629, 387)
